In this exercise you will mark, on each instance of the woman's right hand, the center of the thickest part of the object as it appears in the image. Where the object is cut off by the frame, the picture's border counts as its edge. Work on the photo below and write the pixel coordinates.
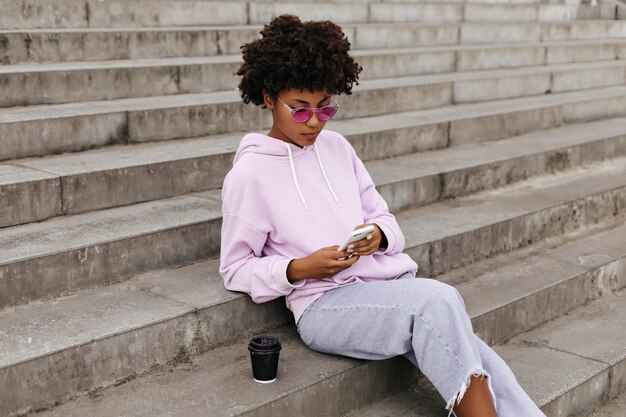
(323, 263)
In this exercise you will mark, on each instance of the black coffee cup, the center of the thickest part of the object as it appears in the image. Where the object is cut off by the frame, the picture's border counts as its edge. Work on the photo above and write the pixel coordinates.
(264, 351)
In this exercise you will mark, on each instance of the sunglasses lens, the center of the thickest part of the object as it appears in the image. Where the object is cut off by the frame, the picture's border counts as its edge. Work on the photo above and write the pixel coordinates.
(327, 112)
(301, 115)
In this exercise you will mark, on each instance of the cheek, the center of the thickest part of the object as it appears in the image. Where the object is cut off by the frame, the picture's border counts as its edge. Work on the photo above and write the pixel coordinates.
(288, 125)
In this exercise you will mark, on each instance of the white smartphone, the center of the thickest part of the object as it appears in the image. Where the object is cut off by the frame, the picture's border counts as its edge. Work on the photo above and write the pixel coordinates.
(356, 235)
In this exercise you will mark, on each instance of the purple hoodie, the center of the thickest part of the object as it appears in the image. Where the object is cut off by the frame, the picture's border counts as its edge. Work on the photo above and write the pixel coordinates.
(282, 202)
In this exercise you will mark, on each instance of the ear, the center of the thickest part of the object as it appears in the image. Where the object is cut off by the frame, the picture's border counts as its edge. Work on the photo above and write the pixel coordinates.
(267, 100)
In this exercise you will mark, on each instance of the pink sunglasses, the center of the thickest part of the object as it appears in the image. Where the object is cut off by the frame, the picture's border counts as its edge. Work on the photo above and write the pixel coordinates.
(302, 114)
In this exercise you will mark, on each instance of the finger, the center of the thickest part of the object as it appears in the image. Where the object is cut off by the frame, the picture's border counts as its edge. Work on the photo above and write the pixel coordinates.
(353, 260)
(345, 260)
(361, 244)
(358, 244)
(340, 256)
(369, 249)
(365, 246)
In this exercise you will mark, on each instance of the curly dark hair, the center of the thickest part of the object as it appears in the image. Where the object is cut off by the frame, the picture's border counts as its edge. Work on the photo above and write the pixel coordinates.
(291, 54)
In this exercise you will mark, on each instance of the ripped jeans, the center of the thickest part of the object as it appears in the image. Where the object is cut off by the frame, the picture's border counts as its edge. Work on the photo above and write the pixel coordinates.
(422, 319)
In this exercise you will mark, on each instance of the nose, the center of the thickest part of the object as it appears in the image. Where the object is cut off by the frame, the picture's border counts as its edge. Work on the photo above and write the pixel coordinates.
(313, 121)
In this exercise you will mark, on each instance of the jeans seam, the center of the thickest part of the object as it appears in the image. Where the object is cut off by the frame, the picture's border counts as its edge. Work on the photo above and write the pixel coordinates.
(375, 306)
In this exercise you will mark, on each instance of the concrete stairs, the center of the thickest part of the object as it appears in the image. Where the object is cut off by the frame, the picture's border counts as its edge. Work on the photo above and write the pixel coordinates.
(614, 408)
(505, 164)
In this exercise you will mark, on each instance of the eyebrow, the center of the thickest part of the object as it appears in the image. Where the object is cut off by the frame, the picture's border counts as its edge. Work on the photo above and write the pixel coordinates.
(306, 102)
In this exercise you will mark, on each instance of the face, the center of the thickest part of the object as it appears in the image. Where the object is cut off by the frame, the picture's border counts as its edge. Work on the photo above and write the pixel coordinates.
(284, 128)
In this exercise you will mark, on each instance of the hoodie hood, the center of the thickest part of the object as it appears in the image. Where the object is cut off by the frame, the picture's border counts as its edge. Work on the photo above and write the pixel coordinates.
(258, 143)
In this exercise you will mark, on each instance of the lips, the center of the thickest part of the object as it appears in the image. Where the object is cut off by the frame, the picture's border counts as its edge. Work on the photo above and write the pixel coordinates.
(311, 135)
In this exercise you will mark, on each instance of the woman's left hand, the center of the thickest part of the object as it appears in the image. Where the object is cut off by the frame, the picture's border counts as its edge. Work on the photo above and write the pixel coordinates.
(368, 245)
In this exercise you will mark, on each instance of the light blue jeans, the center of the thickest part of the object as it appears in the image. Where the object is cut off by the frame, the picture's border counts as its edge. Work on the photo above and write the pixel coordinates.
(422, 319)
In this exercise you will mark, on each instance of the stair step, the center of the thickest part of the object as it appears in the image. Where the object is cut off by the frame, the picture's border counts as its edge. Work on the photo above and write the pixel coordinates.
(561, 374)
(403, 35)
(41, 260)
(147, 13)
(48, 82)
(95, 49)
(311, 372)
(67, 83)
(95, 180)
(542, 281)
(613, 408)
(459, 232)
(601, 325)
(96, 44)
(122, 175)
(221, 384)
(44, 129)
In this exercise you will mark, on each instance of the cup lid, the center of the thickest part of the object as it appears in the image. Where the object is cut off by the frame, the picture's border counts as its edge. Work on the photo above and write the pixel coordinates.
(265, 343)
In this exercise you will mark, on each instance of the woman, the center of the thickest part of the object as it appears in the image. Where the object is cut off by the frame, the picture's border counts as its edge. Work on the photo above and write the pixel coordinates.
(295, 193)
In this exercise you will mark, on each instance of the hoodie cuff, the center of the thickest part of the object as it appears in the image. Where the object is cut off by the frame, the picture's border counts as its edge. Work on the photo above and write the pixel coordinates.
(279, 273)
(389, 234)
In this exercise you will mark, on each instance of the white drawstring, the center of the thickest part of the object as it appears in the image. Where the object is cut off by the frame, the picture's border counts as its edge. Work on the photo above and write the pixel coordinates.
(319, 161)
(295, 177)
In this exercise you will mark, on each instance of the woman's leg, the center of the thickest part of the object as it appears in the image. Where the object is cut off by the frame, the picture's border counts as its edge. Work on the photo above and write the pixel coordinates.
(420, 318)
(477, 400)
(510, 396)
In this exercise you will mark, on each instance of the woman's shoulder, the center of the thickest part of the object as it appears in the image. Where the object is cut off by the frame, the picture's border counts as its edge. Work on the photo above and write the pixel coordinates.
(244, 171)
(337, 142)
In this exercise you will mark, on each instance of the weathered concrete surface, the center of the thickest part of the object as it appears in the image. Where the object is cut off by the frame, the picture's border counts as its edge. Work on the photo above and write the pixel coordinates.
(416, 12)
(502, 12)
(600, 322)
(38, 13)
(396, 36)
(125, 329)
(575, 51)
(122, 175)
(27, 195)
(101, 179)
(583, 30)
(459, 232)
(581, 79)
(160, 43)
(613, 408)
(41, 130)
(62, 255)
(559, 382)
(63, 83)
(418, 400)
(220, 383)
(120, 13)
(339, 12)
(116, 13)
(577, 11)
(543, 283)
(100, 44)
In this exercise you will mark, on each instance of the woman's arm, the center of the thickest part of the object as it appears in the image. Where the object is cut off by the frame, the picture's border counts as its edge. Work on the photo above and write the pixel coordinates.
(376, 211)
(243, 268)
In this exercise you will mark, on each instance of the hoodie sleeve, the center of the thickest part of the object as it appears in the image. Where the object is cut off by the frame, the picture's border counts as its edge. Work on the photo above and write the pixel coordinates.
(375, 209)
(243, 268)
